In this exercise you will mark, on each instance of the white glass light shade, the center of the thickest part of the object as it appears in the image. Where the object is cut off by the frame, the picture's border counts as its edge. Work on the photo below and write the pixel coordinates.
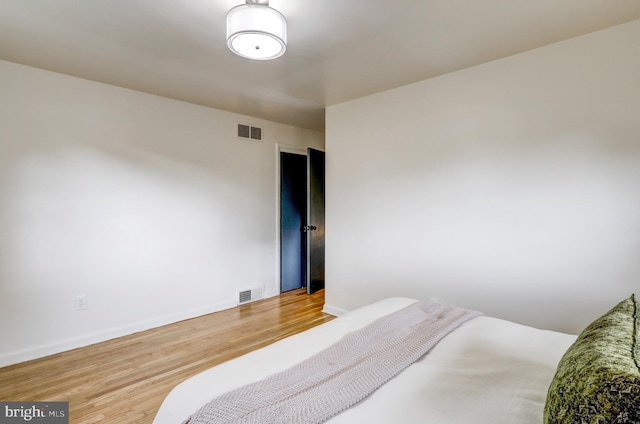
(256, 32)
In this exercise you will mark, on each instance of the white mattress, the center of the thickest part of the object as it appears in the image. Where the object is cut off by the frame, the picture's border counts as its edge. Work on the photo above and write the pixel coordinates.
(487, 371)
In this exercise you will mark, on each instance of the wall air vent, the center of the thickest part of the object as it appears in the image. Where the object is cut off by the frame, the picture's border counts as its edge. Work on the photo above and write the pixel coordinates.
(249, 295)
(249, 132)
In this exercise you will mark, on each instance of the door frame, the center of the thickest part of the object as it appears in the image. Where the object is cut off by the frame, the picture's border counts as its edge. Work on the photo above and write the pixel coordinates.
(284, 148)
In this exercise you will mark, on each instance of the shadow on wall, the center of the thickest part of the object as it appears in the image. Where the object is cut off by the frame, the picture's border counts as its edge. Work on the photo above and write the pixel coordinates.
(141, 232)
(497, 228)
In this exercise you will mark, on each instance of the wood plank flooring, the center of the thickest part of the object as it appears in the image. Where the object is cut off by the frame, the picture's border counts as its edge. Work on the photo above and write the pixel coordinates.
(125, 380)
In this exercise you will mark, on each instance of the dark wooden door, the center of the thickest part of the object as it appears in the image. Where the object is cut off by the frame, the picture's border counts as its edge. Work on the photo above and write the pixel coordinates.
(315, 220)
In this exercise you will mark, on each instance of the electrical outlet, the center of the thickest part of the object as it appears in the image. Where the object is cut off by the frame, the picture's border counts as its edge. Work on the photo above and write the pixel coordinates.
(81, 302)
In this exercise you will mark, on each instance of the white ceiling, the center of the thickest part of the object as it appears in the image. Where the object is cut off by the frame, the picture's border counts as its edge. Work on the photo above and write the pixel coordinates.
(338, 49)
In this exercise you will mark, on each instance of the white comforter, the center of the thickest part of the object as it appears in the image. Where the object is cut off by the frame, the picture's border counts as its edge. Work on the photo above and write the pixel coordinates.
(487, 371)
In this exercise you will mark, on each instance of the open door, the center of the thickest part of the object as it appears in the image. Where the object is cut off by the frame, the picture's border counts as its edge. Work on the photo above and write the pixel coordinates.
(315, 220)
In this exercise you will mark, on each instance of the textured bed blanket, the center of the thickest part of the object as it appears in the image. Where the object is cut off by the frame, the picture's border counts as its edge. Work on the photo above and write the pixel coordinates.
(340, 376)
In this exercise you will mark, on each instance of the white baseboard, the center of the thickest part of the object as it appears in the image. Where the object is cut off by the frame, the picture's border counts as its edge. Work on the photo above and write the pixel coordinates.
(336, 312)
(268, 294)
(36, 352)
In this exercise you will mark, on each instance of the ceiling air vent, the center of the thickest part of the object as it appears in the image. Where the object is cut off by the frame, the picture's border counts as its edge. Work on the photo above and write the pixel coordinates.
(249, 132)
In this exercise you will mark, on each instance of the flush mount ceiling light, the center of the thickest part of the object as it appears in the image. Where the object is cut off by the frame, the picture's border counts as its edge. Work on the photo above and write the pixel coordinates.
(256, 31)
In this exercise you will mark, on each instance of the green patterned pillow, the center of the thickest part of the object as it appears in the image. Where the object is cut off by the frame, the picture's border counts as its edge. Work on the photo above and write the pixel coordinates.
(598, 378)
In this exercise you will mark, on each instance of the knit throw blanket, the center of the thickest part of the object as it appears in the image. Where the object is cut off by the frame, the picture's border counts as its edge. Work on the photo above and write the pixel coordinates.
(341, 375)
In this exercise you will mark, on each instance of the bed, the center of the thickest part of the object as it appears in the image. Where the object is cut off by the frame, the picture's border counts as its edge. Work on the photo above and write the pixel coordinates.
(487, 370)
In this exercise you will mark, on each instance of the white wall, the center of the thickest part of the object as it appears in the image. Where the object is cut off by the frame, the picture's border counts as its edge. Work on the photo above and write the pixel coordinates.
(150, 207)
(512, 188)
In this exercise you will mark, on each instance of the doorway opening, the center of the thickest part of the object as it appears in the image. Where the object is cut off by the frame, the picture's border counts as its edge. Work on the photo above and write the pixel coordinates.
(293, 212)
(301, 220)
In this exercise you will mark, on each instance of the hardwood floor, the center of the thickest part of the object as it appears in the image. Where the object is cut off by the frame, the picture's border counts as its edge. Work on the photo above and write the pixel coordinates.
(125, 380)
